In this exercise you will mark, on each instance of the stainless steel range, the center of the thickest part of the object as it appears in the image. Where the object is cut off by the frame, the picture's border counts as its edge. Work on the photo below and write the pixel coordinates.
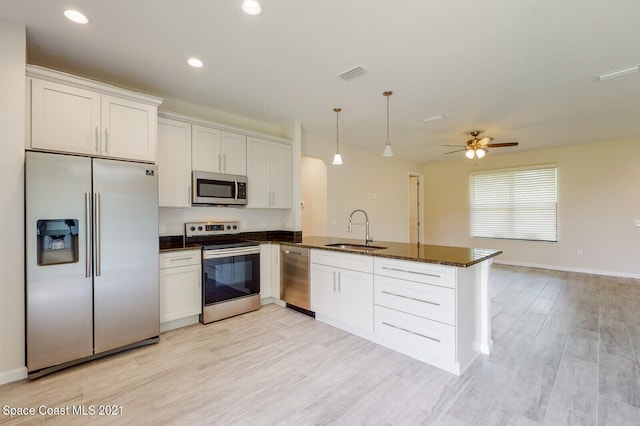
(230, 269)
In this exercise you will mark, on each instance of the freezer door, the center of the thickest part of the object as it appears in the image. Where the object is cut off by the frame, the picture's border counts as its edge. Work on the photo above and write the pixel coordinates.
(126, 288)
(58, 269)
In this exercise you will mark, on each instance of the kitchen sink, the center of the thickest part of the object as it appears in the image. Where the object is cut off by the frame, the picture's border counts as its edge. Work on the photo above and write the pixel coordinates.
(349, 246)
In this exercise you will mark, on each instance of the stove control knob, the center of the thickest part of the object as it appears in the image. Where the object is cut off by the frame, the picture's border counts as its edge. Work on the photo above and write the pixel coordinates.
(199, 228)
(235, 227)
(193, 228)
(228, 227)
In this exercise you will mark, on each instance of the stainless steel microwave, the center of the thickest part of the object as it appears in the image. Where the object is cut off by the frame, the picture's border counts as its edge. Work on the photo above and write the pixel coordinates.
(218, 189)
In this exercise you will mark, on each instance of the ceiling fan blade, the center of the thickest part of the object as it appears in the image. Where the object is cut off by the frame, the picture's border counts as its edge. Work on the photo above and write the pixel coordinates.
(498, 145)
(485, 141)
(457, 150)
(456, 146)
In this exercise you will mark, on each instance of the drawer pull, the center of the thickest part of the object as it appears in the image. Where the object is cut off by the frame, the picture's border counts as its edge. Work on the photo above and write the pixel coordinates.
(410, 298)
(411, 272)
(176, 259)
(409, 331)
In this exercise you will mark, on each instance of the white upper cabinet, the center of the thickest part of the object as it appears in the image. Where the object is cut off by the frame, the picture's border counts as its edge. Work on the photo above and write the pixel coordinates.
(128, 129)
(269, 174)
(234, 153)
(64, 118)
(76, 115)
(174, 163)
(218, 151)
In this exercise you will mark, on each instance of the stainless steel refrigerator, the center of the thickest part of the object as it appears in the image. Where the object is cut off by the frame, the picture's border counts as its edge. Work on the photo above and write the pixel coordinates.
(91, 258)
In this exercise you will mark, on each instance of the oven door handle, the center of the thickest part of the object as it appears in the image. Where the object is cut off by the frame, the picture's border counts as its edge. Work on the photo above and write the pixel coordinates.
(230, 252)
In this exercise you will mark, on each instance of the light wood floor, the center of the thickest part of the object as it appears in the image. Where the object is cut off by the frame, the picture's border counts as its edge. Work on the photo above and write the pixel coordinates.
(567, 350)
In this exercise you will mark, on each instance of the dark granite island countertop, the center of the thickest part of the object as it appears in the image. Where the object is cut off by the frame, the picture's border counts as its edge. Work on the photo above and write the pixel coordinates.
(442, 255)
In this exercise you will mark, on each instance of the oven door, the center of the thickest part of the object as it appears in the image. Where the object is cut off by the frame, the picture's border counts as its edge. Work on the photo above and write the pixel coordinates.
(229, 274)
(219, 189)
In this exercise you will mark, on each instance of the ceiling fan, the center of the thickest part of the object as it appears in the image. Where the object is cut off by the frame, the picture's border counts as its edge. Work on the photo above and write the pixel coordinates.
(477, 148)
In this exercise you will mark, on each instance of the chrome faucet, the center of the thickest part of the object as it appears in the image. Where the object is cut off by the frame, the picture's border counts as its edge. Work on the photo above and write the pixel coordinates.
(367, 237)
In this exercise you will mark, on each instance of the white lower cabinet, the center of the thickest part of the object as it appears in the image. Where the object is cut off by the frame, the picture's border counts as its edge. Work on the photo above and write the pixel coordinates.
(339, 296)
(423, 310)
(180, 288)
(416, 311)
(269, 273)
(415, 336)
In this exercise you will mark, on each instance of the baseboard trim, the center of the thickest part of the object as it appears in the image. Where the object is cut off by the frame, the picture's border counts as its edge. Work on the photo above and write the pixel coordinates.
(569, 269)
(13, 375)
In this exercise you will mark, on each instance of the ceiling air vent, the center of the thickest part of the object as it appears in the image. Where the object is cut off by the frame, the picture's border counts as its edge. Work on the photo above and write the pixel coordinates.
(352, 73)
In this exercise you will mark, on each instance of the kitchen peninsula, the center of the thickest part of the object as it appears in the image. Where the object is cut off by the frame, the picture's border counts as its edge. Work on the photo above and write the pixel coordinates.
(429, 302)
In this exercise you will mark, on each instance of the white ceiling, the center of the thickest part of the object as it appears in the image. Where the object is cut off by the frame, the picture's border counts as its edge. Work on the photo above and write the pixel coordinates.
(519, 70)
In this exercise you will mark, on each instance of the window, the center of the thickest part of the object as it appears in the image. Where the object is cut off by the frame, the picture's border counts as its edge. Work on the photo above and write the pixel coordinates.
(518, 204)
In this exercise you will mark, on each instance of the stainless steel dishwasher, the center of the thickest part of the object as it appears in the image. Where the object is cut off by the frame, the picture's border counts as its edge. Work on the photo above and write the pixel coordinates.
(294, 277)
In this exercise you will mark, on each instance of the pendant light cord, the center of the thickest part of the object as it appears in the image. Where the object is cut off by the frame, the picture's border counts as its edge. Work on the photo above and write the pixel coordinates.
(387, 94)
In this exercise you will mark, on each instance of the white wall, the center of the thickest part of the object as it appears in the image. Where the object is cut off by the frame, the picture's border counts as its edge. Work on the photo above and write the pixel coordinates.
(314, 196)
(598, 202)
(367, 181)
(12, 107)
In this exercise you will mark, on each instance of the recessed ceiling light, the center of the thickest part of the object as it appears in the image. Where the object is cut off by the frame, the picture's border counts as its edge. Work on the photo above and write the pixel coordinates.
(618, 73)
(75, 16)
(434, 118)
(251, 7)
(195, 62)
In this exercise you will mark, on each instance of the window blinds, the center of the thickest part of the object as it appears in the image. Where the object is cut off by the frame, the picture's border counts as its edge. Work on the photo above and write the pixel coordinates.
(519, 204)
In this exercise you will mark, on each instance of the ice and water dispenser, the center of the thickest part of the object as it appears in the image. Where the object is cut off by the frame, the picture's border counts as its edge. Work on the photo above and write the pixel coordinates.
(57, 241)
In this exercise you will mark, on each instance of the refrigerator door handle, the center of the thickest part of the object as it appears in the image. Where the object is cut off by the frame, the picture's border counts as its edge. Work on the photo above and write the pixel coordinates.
(97, 233)
(87, 245)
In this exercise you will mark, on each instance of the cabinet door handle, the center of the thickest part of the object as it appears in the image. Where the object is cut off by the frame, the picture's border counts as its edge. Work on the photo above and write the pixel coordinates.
(220, 162)
(224, 162)
(410, 298)
(411, 272)
(106, 141)
(334, 281)
(409, 331)
(339, 282)
(97, 140)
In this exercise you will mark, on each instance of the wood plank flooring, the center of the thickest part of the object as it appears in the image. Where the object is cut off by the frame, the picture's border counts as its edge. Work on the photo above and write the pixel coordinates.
(567, 350)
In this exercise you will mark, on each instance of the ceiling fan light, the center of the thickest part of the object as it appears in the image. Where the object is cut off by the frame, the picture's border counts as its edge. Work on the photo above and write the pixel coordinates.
(480, 152)
(469, 154)
(337, 159)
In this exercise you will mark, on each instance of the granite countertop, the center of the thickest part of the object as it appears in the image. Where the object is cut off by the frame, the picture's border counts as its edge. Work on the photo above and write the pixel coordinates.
(443, 255)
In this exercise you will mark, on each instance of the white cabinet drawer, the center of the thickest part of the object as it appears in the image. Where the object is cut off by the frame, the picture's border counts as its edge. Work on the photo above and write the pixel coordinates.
(415, 335)
(424, 300)
(427, 273)
(180, 258)
(355, 262)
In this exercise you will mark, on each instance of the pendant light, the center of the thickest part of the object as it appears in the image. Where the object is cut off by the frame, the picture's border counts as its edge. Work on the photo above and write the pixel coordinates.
(337, 159)
(388, 152)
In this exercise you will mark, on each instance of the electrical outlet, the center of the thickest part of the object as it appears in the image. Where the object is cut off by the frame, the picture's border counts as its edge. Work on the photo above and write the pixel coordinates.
(161, 229)
(579, 251)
